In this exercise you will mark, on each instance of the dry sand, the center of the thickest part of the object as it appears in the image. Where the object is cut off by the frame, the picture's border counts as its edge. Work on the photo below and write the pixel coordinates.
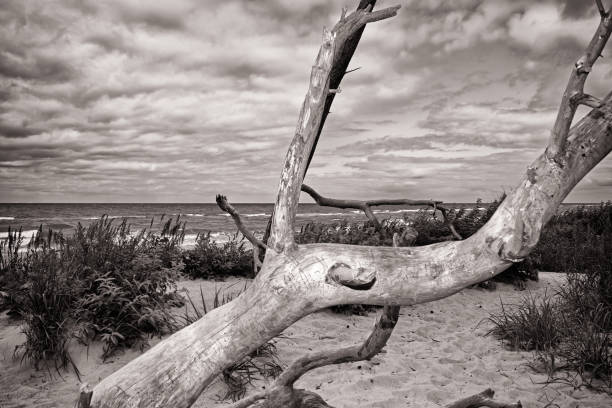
(437, 354)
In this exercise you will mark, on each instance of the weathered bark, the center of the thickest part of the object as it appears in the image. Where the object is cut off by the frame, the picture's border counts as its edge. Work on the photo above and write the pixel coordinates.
(339, 69)
(297, 280)
(283, 395)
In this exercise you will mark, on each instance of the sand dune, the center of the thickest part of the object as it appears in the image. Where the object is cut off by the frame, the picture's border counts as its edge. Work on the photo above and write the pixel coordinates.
(437, 354)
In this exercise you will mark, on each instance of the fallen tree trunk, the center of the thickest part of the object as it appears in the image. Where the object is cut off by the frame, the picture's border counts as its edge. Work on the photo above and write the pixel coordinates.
(297, 280)
(292, 284)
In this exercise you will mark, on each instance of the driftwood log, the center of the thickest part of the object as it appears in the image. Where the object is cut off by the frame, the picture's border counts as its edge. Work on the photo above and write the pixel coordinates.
(296, 280)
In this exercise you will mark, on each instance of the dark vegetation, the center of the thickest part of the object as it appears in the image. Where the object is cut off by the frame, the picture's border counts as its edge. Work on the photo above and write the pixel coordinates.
(108, 283)
(208, 260)
(570, 331)
(102, 283)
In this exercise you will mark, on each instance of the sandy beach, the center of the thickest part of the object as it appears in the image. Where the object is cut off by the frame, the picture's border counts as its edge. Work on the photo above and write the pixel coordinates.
(437, 354)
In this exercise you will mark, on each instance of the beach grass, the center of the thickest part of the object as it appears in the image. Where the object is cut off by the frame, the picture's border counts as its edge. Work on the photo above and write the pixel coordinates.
(110, 284)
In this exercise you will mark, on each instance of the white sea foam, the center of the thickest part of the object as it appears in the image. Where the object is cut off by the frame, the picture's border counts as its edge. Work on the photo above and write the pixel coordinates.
(192, 215)
(28, 234)
(7, 218)
(257, 215)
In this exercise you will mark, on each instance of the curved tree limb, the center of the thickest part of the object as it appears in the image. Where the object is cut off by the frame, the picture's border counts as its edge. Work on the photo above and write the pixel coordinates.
(574, 92)
(282, 393)
(366, 207)
(310, 120)
(282, 389)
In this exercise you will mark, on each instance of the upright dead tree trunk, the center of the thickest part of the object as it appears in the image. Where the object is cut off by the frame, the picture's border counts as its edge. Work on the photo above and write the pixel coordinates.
(296, 280)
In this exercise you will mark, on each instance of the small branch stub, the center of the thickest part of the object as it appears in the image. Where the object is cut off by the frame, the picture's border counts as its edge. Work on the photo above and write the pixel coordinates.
(587, 100)
(602, 10)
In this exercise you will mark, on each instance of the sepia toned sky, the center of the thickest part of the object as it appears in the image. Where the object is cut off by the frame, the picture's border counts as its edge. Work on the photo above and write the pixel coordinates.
(175, 101)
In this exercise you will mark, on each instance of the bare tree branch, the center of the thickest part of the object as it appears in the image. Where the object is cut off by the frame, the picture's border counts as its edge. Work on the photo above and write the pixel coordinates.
(366, 206)
(228, 208)
(338, 71)
(343, 204)
(484, 399)
(574, 92)
(311, 119)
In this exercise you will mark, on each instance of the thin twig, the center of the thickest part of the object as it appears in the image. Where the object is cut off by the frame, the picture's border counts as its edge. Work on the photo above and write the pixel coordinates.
(228, 208)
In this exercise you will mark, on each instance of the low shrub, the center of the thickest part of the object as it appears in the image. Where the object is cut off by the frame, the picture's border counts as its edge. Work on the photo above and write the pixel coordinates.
(127, 288)
(103, 282)
(576, 240)
(13, 279)
(45, 305)
(209, 260)
(531, 325)
(571, 332)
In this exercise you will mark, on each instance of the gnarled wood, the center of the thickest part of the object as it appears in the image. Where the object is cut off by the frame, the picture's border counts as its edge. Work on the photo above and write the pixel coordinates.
(310, 121)
(283, 395)
(297, 280)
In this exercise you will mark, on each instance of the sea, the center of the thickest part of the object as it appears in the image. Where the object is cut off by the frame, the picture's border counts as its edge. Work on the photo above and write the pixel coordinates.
(199, 218)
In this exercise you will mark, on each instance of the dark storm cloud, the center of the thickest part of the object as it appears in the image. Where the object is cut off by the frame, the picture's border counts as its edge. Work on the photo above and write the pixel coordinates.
(166, 99)
(578, 8)
(37, 67)
(10, 131)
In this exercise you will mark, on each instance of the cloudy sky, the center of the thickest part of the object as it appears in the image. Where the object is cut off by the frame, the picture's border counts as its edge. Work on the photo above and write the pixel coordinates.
(177, 100)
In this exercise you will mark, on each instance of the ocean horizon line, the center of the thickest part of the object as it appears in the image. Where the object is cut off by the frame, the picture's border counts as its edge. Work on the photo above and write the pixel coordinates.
(246, 203)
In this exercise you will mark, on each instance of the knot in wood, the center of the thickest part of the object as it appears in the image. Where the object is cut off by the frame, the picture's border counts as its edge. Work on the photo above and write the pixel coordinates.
(354, 278)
